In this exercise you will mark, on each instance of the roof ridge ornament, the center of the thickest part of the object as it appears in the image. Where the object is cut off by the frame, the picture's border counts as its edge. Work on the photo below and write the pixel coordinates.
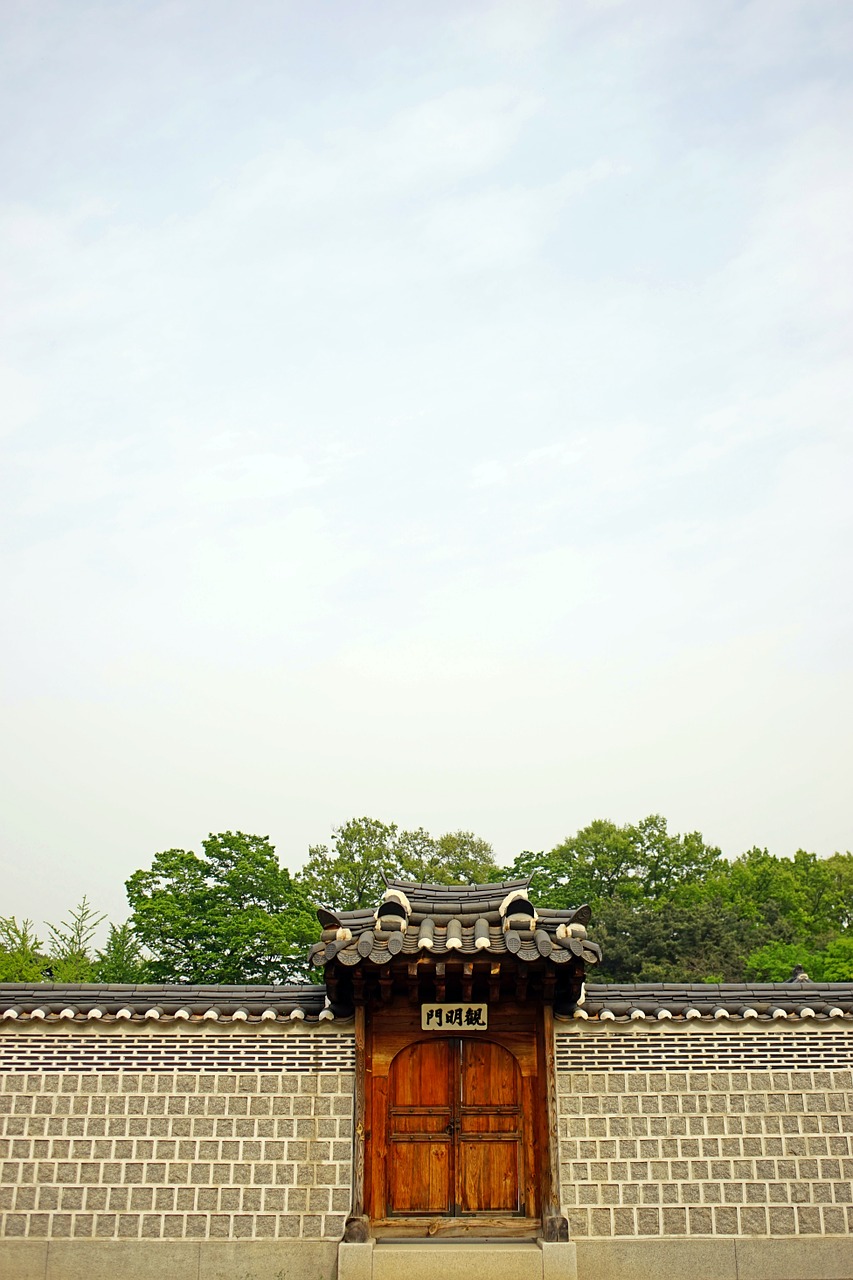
(397, 895)
(510, 898)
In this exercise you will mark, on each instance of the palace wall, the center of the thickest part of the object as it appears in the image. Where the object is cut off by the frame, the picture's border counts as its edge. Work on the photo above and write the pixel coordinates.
(706, 1130)
(204, 1149)
(179, 1133)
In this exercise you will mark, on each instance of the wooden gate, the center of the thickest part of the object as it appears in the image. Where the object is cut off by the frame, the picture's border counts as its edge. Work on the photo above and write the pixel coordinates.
(454, 1130)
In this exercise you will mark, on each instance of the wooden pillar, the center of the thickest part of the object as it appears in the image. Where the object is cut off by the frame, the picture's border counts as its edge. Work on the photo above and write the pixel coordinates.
(554, 1225)
(357, 1229)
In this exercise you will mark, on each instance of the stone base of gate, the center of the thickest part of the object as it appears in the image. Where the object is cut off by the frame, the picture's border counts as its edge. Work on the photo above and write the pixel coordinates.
(457, 1260)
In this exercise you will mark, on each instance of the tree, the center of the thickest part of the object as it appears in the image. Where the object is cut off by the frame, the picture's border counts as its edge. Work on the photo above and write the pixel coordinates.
(364, 852)
(121, 959)
(231, 914)
(21, 955)
(801, 899)
(352, 873)
(638, 863)
(775, 961)
(666, 907)
(837, 960)
(458, 857)
(839, 869)
(701, 941)
(71, 958)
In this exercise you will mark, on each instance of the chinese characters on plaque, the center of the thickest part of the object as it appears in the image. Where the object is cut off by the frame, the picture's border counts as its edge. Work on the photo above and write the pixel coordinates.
(464, 1017)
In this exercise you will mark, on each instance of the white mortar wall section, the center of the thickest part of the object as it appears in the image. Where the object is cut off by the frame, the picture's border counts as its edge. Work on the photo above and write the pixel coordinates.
(175, 1132)
(706, 1130)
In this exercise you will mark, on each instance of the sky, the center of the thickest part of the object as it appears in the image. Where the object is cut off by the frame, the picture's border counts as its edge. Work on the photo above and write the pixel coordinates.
(433, 412)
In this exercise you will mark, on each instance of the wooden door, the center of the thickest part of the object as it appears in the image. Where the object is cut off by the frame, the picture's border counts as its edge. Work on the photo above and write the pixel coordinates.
(488, 1159)
(420, 1128)
(454, 1129)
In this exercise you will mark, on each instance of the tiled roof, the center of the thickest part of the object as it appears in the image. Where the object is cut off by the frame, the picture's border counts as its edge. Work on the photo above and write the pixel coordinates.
(82, 1002)
(464, 919)
(623, 1002)
(764, 1001)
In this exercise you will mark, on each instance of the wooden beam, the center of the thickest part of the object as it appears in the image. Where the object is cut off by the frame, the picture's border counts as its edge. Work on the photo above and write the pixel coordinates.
(357, 1229)
(494, 982)
(549, 984)
(467, 980)
(554, 1225)
(440, 981)
(426, 1228)
(414, 984)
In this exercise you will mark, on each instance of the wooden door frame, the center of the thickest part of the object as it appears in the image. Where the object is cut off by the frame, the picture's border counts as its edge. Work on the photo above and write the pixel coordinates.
(528, 1036)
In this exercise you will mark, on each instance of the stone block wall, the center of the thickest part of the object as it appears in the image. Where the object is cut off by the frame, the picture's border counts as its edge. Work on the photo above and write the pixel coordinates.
(714, 1152)
(156, 1154)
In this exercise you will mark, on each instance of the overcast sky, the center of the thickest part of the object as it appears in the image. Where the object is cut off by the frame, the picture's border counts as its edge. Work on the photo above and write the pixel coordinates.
(436, 411)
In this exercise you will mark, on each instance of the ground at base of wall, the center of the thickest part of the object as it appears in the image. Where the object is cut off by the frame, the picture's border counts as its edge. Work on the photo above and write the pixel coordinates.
(760, 1258)
(825, 1258)
(168, 1260)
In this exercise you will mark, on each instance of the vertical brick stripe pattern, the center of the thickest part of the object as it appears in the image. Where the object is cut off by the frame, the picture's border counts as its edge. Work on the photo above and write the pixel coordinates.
(166, 1155)
(715, 1153)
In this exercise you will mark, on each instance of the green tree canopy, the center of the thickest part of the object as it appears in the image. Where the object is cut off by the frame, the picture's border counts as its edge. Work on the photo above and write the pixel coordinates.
(22, 957)
(701, 941)
(122, 958)
(69, 955)
(351, 873)
(666, 907)
(230, 914)
(364, 851)
(457, 857)
(70, 946)
(802, 896)
(671, 908)
(636, 863)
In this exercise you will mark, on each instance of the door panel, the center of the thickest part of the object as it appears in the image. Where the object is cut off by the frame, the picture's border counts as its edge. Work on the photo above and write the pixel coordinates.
(454, 1129)
(489, 1129)
(420, 1177)
(489, 1075)
(420, 1112)
(488, 1177)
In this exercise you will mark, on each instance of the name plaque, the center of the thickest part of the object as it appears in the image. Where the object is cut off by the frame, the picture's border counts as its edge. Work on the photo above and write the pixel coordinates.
(464, 1017)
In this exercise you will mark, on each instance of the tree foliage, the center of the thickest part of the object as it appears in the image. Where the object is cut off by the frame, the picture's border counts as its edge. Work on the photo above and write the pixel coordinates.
(22, 957)
(666, 907)
(70, 945)
(457, 857)
(671, 908)
(636, 863)
(775, 961)
(69, 955)
(351, 873)
(122, 958)
(673, 942)
(231, 914)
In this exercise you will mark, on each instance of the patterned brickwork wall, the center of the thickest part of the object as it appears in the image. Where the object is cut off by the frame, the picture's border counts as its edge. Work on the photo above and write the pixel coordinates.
(717, 1152)
(171, 1154)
